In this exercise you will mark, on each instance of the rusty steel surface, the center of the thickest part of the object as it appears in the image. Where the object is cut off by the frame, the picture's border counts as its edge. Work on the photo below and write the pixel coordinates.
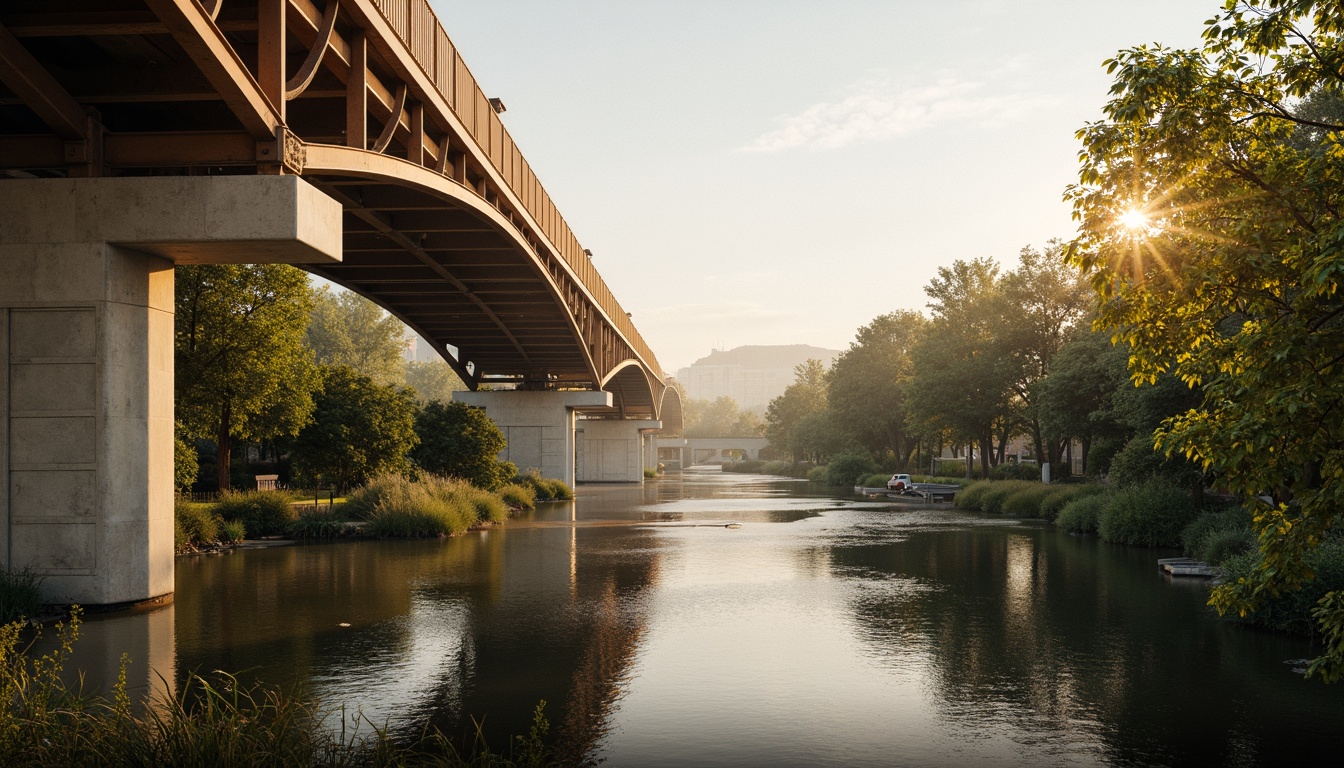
(446, 225)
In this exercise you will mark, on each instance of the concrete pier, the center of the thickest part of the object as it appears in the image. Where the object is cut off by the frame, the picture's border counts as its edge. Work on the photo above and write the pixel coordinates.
(539, 426)
(86, 353)
(615, 450)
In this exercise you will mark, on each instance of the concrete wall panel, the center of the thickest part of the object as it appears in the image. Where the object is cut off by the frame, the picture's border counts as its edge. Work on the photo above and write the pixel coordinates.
(34, 496)
(57, 387)
(55, 547)
(52, 440)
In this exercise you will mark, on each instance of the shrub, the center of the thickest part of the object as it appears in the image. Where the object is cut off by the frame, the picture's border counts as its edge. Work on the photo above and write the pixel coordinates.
(409, 510)
(847, 468)
(777, 468)
(1083, 513)
(1059, 496)
(1026, 502)
(1013, 471)
(317, 525)
(650, 473)
(745, 467)
(960, 482)
(194, 524)
(461, 441)
(546, 488)
(186, 464)
(971, 496)
(1291, 611)
(817, 474)
(361, 501)
(20, 596)
(519, 496)
(262, 513)
(876, 480)
(1219, 534)
(1149, 514)
(232, 531)
(487, 506)
(998, 492)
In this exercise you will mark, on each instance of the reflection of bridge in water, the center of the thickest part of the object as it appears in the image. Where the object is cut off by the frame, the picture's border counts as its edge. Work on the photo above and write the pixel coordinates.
(692, 451)
(347, 136)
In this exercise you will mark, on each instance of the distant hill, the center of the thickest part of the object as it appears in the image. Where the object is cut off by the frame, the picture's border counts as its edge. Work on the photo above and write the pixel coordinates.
(762, 356)
(752, 376)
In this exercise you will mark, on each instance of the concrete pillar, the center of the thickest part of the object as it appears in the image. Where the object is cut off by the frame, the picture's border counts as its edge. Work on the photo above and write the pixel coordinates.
(650, 438)
(612, 450)
(86, 360)
(539, 426)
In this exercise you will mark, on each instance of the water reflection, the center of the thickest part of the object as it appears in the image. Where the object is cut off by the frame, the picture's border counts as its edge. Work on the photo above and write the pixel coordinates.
(820, 631)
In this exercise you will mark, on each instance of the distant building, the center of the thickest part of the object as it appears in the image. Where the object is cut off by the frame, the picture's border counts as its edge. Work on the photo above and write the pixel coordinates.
(752, 376)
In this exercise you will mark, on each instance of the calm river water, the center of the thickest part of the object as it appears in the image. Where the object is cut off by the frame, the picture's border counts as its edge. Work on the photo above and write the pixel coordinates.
(726, 620)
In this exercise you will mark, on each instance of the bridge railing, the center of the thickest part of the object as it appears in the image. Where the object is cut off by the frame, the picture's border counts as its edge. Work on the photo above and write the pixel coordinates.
(420, 31)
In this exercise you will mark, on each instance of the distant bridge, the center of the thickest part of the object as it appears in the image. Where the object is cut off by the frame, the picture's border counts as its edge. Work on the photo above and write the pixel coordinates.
(347, 136)
(691, 451)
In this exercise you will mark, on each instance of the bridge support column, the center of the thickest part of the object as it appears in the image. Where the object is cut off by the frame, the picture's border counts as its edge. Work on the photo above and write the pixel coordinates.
(539, 426)
(86, 363)
(612, 450)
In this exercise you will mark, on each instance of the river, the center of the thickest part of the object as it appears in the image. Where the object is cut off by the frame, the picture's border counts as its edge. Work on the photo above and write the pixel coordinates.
(711, 619)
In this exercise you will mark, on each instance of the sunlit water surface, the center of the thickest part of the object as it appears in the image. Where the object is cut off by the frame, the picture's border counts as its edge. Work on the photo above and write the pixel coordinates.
(725, 620)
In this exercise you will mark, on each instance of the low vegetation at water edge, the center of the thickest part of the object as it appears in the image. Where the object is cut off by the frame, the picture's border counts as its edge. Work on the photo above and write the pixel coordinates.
(213, 720)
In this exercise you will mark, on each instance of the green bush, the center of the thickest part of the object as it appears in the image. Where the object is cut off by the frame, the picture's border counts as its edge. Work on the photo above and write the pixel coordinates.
(186, 464)
(1291, 611)
(1061, 495)
(194, 524)
(519, 496)
(262, 513)
(1026, 502)
(960, 482)
(817, 474)
(847, 468)
(1149, 514)
(20, 596)
(876, 480)
(489, 507)
(317, 525)
(1013, 471)
(650, 473)
(1219, 534)
(971, 496)
(776, 468)
(1083, 513)
(410, 510)
(753, 467)
(545, 488)
(232, 531)
(999, 491)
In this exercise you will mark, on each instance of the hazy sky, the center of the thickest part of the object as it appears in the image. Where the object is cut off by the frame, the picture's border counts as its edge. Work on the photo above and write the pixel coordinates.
(782, 172)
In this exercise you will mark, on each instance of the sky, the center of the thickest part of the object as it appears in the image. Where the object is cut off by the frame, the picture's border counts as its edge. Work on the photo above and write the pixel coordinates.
(782, 171)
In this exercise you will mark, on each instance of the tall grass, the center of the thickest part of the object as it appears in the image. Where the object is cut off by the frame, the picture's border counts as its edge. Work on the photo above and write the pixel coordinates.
(1083, 513)
(546, 488)
(518, 496)
(1151, 514)
(212, 721)
(20, 595)
(262, 513)
(1026, 502)
(992, 499)
(397, 507)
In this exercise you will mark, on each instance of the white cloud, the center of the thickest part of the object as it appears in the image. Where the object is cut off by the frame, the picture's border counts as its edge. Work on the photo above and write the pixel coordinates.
(877, 111)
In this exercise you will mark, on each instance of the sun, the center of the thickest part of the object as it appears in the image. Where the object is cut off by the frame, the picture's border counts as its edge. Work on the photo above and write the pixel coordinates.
(1135, 221)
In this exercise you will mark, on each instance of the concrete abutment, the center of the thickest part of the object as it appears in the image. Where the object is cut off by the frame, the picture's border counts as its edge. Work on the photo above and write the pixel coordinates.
(86, 359)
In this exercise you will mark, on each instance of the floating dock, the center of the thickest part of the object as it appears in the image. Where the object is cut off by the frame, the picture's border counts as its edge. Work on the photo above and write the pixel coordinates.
(1185, 566)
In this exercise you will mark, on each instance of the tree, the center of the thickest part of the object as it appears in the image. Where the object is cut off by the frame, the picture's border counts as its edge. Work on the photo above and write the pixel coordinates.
(360, 429)
(1209, 204)
(348, 329)
(461, 441)
(806, 395)
(1043, 300)
(243, 372)
(963, 377)
(719, 418)
(867, 383)
(1076, 397)
(432, 380)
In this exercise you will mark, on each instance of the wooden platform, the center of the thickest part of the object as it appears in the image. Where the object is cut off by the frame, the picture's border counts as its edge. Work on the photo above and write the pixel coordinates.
(1185, 566)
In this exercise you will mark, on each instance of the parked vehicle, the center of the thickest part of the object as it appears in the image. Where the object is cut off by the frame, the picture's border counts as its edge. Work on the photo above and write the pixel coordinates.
(899, 483)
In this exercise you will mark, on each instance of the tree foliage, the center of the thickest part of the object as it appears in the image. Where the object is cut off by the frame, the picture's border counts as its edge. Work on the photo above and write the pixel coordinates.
(360, 429)
(242, 370)
(1209, 204)
(432, 380)
(720, 417)
(348, 329)
(460, 441)
(805, 396)
(867, 383)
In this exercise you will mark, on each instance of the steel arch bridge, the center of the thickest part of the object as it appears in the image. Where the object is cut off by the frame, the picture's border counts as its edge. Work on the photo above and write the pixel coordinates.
(445, 224)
